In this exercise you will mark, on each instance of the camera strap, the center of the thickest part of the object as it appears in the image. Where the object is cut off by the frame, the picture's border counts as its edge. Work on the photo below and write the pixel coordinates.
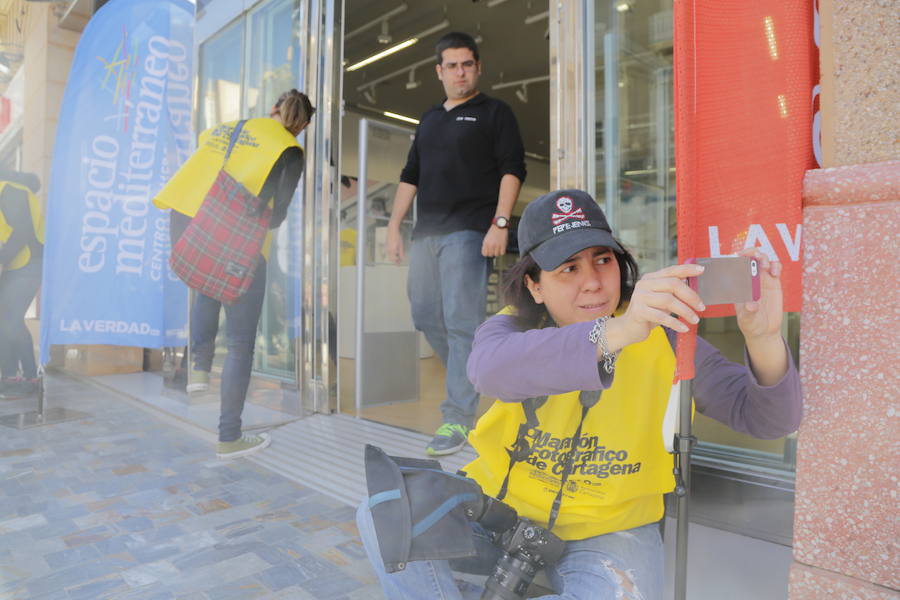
(521, 449)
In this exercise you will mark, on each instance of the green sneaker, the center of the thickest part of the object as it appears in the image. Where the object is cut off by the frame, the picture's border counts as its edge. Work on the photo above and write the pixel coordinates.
(449, 438)
(244, 445)
(199, 381)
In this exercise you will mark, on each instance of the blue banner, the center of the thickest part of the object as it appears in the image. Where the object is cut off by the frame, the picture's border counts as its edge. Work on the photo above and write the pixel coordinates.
(124, 129)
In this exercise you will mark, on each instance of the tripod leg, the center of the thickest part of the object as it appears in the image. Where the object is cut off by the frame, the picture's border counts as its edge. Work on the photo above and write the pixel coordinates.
(683, 444)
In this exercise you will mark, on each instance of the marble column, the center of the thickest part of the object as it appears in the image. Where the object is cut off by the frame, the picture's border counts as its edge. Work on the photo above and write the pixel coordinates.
(846, 525)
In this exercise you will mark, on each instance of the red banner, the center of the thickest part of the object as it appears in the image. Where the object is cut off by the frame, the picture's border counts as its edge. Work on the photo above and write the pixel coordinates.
(744, 79)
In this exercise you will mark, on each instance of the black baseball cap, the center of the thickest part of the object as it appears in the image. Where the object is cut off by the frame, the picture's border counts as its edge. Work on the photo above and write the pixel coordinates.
(561, 224)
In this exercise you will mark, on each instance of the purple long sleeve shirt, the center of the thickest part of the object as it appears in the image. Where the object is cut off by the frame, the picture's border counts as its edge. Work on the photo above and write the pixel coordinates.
(514, 364)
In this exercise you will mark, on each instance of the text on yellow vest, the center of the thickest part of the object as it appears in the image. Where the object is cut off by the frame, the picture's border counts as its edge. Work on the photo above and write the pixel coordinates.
(620, 468)
(260, 144)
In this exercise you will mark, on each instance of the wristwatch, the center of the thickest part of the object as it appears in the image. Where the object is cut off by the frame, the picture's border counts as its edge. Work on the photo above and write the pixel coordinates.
(500, 222)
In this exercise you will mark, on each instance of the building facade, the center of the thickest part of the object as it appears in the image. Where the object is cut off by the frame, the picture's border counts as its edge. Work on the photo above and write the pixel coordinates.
(592, 84)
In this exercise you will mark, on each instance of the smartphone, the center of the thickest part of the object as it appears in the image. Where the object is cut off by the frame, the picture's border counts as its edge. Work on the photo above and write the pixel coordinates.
(726, 280)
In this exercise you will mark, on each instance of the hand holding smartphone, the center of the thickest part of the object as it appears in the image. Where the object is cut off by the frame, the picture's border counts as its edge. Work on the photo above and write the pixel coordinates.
(726, 280)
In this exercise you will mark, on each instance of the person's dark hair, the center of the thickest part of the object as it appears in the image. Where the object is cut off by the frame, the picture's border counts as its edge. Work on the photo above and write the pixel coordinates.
(295, 110)
(529, 312)
(455, 39)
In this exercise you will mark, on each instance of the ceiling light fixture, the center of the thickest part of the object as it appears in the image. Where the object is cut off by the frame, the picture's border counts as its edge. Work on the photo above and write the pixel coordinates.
(384, 37)
(494, 3)
(623, 7)
(404, 44)
(520, 82)
(391, 13)
(401, 117)
(383, 53)
(538, 17)
(412, 83)
(522, 93)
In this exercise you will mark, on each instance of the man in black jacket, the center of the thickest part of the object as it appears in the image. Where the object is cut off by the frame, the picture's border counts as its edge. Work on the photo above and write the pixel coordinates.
(465, 166)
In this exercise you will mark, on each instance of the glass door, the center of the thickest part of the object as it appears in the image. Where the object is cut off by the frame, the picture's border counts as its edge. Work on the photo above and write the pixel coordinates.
(272, 67)
(243, 68)
(378, 346)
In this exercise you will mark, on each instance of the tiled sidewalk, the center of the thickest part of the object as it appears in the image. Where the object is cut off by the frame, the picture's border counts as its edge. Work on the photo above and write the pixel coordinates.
(126, 505)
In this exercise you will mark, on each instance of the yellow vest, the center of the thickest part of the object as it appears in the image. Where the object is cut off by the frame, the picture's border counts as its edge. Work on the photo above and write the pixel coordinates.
(259, 146)
(621, 468)
(37, 221)
(348, 247)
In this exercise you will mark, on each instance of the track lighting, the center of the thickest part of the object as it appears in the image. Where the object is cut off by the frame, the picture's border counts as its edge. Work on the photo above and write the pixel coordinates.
(522, 93)
(412, 83)
(397, 47)
(384, 37)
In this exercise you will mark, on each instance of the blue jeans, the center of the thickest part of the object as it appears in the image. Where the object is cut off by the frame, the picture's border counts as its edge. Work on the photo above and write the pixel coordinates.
(241, 322)
(204, 329)
(17, 290)
(447, 290)
(625, 565)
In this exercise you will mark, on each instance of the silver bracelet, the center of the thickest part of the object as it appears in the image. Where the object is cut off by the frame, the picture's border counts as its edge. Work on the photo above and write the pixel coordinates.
(598, 338)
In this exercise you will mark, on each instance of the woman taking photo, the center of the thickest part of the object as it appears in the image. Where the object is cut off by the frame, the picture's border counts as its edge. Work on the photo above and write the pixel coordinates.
(582, 363)
(268, 161)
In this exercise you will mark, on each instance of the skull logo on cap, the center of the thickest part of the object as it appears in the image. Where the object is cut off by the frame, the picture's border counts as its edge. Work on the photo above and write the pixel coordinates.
(564, 204)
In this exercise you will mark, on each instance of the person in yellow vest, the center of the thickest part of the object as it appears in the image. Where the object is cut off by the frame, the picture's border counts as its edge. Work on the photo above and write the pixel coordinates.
(582, 362)
(267, 160)
(21, 250)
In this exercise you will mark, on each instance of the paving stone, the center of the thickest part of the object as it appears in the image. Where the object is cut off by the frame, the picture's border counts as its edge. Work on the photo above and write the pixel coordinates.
(101, 588)
(329, 586)
(242, 589)
(71, 556)
(55, 529)
(282, 576)
(22, 523)
(135, 524)
(122, 506)
(69, 577)
(150, 573)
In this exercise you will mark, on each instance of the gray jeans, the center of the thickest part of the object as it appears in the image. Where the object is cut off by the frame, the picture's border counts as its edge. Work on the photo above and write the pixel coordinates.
(241, 322)
(17, 290)
(447, 289)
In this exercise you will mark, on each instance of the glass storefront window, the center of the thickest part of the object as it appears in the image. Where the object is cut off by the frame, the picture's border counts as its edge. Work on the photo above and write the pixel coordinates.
(272, 58)
(243, 70)
(272, 67)
(634, 127)
(635, 169)
(220, 78)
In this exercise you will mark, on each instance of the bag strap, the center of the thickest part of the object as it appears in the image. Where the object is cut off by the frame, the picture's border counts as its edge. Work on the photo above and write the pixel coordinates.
(235, 135)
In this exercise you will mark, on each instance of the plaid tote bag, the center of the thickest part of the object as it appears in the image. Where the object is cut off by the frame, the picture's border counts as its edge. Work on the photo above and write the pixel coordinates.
(218, 252)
